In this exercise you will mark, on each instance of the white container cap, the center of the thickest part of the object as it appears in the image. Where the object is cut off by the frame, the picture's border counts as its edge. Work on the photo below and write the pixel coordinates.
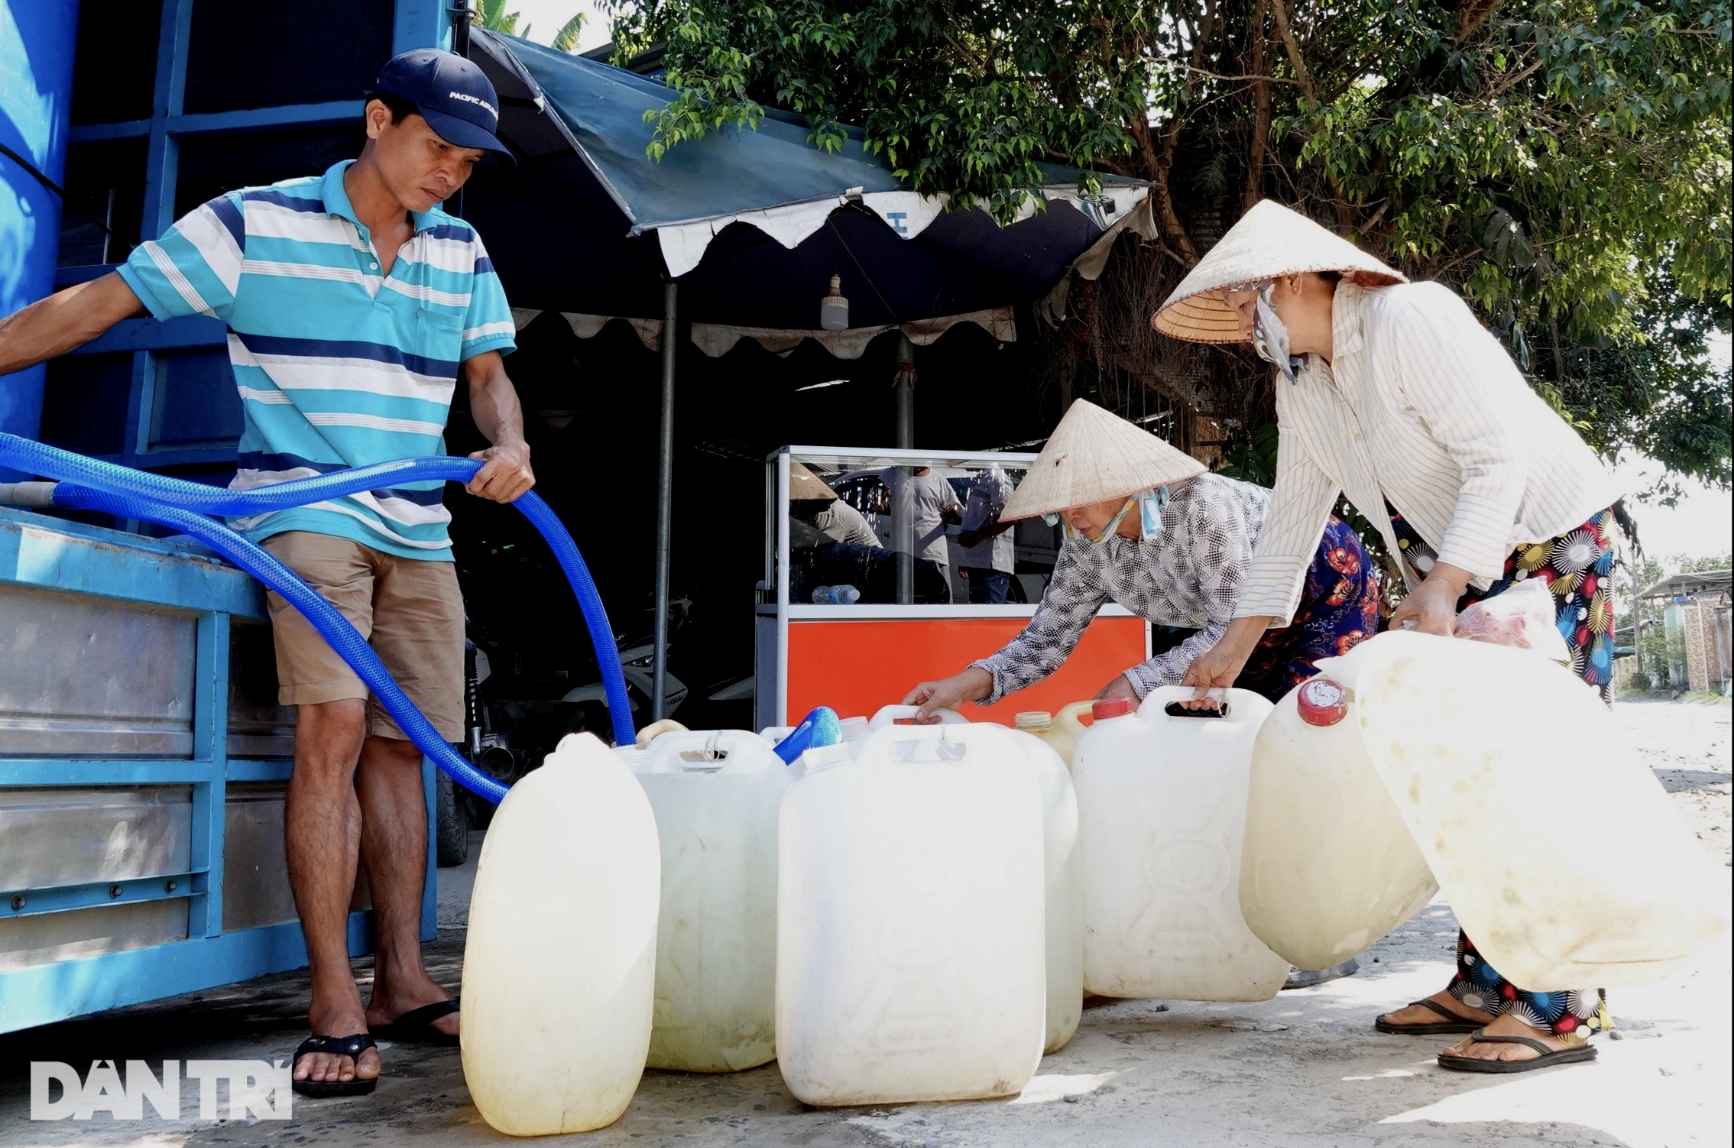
(854, 728)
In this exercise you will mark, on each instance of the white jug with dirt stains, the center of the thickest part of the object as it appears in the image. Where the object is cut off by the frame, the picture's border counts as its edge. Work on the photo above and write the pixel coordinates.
(1559, 851)
(1063, 893)
(1060, 730)
(560, 956)
(1162, 815)
(1329, 866)
(910, 895)
(715, 795)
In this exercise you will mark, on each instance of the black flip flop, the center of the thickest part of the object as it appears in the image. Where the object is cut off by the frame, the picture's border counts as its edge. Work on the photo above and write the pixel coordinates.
(1454, 1023)
(416, 1025)
(351, 1046)
(1576, 1054)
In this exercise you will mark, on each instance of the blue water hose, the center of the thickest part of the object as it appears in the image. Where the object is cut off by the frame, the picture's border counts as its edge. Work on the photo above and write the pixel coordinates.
(89, 484)
(820, 727)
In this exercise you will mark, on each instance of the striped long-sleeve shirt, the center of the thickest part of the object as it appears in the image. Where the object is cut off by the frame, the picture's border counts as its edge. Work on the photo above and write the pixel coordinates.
(1422, 406)
(337, 365)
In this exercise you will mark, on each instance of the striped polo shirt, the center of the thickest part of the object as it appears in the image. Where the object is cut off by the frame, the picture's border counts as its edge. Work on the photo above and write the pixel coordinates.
(337, 366)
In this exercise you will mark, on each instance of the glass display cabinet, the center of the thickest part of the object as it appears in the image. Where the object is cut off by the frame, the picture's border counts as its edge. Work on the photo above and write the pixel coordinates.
(884, 568)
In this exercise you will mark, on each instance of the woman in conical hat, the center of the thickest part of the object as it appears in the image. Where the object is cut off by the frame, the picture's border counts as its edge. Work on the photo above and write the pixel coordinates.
(1149, 528)
(1392, 394)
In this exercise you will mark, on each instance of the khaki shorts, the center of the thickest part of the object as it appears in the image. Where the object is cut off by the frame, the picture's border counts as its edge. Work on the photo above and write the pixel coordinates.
(410, 611)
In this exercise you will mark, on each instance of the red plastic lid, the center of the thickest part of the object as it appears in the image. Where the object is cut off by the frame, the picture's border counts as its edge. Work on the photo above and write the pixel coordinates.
(1322, 701)
(1112, 707)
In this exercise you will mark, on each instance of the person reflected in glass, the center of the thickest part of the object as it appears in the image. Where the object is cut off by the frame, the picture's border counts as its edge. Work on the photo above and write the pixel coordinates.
(814, 504)
(930, 504)
(987, 551)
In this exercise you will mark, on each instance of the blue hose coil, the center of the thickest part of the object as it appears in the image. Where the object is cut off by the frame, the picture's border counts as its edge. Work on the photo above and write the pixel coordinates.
(89, 484)
(820, 727)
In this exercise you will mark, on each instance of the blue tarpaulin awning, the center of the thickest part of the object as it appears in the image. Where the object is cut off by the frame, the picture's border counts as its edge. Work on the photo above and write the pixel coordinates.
(742, 232)
(753, 224)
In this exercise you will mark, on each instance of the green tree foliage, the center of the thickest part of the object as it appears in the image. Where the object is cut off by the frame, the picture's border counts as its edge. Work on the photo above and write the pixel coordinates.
(566, 39)
(1565, 164)
(492, 15)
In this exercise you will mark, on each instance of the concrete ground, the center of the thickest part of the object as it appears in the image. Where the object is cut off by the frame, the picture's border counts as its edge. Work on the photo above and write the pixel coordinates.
(1303, 1070)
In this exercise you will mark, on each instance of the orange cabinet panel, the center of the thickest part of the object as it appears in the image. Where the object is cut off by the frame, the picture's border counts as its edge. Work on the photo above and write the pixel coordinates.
(857, 666)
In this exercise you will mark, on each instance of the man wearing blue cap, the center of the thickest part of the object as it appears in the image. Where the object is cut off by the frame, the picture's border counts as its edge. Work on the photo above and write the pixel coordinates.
(354, 304)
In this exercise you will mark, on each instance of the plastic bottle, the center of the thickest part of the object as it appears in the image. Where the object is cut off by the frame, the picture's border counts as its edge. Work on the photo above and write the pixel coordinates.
(1558, 849)
(1329, 866)
(1063, 903)
(715, 795)
(855, 731)
(844, 595)
(910, 896)
(1060, 731)
(1162, 814)
(560, 957)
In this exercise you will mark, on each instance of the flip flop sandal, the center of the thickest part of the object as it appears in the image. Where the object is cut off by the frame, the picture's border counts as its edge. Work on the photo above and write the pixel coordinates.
(1453, 1023)
(351, 1046)
(1549, 1056)
(1307, 978)
(416, 1025)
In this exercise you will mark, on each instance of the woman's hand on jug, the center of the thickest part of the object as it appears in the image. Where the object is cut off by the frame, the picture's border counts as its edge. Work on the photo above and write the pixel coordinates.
(1432, 608)
(1217, 667)
(971, 685)
(1120, 687)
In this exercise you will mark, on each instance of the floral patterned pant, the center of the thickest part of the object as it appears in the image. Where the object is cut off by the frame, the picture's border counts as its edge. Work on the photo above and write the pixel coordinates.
(1339, 610)
(1576, 566)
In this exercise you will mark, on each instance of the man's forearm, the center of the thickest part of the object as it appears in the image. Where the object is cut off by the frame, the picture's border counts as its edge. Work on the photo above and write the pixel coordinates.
(495, 408)
(66, 319)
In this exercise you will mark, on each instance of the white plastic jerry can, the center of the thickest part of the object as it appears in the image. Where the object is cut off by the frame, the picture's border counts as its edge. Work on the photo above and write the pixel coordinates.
(560, 957)
(1558, 849)
(904, 715)
(715, 796)
(1329, 866)
(910, 900)
(1063, 897)
(1161, 814)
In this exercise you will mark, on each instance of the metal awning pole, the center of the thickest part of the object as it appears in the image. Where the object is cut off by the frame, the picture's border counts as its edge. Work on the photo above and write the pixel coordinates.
(902, 516)
(664, 506)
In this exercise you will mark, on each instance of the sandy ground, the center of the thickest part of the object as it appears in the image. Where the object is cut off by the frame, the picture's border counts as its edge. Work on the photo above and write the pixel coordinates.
(1303, 1070)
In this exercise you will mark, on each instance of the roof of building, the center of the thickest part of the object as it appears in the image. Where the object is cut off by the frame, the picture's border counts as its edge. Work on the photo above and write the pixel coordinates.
(1686, 585)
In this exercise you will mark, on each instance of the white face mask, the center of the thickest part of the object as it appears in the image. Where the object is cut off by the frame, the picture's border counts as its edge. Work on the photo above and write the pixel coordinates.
(1150, 505)
(1269, 334)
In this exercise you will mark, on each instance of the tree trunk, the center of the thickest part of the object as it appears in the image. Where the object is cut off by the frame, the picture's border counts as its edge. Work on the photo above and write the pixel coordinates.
(1260, 111)
(1158, 164)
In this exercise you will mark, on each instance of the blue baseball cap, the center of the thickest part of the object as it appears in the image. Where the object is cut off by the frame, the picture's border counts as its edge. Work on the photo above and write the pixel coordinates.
(452, 95)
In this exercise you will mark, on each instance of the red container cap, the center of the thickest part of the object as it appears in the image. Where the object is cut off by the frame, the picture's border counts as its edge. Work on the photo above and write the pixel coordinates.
(1112, 707)
(1322, 701)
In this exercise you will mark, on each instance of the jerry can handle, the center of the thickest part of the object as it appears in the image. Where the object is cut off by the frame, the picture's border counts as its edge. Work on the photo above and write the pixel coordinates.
(1175, 709)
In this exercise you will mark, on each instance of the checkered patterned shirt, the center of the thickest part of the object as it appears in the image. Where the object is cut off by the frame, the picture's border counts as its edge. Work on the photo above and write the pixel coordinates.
(1190, 576)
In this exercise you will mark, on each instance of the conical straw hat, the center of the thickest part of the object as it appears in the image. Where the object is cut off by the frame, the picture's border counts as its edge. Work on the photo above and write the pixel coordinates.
(1094, 456)
(804, 484)
(1269, 241)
